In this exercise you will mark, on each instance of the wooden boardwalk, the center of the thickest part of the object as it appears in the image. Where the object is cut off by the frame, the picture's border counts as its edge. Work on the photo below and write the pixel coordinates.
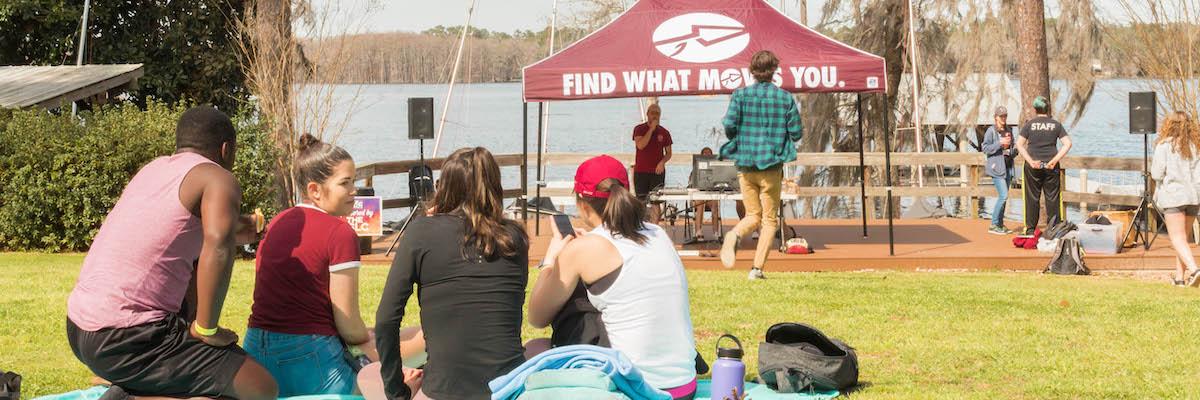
(942, 244)
(947, 244)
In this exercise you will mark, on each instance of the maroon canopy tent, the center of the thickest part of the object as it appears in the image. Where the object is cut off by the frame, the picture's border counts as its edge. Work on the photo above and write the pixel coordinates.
(674, 48)
(701, 47)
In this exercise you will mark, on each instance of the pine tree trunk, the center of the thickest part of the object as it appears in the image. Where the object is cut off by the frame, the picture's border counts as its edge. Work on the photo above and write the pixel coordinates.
(274, 56)
(1033, 63)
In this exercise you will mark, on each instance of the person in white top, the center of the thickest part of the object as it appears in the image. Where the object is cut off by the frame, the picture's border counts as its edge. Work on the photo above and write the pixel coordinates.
(1176, 170)
(632, 274)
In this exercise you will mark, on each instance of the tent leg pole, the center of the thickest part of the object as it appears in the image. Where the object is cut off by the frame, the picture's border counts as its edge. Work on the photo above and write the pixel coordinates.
(862, 167)
(524, 199)
(887, 160)
(537, 219)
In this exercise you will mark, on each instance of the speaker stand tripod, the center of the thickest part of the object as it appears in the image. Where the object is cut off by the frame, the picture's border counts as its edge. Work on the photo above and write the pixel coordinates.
(418, 207)
(1146, 207)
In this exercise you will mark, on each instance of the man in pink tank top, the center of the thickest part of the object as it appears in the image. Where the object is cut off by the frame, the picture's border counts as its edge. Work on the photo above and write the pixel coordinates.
(144, 312)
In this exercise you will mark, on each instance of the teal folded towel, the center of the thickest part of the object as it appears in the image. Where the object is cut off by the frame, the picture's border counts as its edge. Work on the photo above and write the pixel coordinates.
(566, 378)
(573, 393)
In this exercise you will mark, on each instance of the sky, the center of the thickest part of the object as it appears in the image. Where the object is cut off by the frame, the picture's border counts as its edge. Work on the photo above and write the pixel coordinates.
(510, 15)
(494, 15)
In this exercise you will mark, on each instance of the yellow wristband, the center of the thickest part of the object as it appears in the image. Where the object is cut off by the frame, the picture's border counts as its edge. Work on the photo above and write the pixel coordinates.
(355, 351)
(204, 331)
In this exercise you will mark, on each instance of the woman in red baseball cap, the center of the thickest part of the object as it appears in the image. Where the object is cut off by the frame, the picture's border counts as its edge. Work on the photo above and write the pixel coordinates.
(632, 274)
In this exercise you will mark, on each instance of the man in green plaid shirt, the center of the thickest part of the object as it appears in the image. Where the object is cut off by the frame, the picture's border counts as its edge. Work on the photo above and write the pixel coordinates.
(762, 124)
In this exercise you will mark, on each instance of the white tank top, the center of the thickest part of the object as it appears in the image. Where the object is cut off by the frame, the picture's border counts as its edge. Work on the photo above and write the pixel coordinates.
(645, 310)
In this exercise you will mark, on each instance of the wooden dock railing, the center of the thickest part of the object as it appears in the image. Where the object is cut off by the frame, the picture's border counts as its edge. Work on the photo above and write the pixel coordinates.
(975, 185)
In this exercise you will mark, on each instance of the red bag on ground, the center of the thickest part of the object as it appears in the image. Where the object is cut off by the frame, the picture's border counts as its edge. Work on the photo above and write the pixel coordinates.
(798, 246)
(1028, 242)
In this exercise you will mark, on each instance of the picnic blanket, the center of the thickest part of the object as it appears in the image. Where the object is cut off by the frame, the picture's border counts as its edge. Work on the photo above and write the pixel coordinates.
(762, 392)
(95, 392)
(756, 392)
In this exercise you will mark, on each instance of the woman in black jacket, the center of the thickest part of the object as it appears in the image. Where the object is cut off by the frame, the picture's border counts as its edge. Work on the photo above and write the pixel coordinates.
(470, 266)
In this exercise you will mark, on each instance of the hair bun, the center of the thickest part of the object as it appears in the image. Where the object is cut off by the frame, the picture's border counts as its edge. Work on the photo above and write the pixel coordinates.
(306, 141)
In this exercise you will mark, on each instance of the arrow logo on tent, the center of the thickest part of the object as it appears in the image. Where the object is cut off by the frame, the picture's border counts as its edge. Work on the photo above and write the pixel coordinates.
(717, 37)
(698, 37)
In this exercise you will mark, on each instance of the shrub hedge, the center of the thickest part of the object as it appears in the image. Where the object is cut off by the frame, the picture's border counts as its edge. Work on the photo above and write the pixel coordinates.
(60, 175)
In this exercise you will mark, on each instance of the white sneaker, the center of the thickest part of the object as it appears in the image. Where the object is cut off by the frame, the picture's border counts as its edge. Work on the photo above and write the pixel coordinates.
(756, 274)
(729, 250)
(1194, 278)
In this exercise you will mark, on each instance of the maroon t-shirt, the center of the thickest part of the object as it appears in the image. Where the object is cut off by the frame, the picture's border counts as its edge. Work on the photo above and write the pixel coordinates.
(291, 285)
(647, 159)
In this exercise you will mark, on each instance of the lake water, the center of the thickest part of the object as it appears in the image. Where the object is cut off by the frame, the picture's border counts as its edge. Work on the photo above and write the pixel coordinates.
(489, 115)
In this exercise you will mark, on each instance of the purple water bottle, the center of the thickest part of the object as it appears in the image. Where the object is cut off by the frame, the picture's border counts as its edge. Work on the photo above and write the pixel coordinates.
(728, 371)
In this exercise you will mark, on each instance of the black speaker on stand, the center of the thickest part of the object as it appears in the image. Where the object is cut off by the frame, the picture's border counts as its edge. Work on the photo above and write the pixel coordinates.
(420, 177)
(1143, 120)
(420, 121)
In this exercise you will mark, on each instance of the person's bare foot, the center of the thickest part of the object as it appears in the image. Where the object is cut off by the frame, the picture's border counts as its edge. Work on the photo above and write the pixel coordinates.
(370, 382)
(413, 378)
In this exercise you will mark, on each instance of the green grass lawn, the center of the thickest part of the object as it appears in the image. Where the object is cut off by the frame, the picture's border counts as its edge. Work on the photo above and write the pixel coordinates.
(919, 335)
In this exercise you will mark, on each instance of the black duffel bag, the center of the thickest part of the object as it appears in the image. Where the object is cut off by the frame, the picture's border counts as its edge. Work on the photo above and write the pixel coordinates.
(10, 386)
(796, 358)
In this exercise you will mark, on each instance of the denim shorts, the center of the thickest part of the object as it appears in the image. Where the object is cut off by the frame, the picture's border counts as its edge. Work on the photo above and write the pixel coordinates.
(302, 364)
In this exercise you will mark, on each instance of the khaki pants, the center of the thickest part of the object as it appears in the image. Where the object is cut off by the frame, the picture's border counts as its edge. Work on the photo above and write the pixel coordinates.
(760, 193)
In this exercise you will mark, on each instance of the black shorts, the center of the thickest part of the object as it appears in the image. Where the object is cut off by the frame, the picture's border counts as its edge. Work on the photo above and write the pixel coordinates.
(578, 322)
(158, 359)
(1189, 211)
(644, 183)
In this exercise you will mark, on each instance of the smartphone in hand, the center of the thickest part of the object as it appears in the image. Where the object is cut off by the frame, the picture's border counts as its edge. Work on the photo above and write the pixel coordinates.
(563, 223)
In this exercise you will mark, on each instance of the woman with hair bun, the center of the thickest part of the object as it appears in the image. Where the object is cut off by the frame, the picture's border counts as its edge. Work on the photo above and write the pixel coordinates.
(305, 325)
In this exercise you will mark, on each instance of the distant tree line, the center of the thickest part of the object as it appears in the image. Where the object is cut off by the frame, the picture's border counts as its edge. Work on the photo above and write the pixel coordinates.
(492, 56)
(427, 57)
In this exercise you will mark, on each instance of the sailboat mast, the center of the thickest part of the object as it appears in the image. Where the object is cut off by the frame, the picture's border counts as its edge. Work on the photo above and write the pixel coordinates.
(462, 40)
(546, 116)
(916, 74)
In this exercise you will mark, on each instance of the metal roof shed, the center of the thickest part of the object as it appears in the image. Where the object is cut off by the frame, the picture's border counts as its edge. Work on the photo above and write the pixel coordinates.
(52, 86)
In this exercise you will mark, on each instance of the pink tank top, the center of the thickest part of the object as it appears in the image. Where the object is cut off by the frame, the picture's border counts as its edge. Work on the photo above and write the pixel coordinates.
(140, 263)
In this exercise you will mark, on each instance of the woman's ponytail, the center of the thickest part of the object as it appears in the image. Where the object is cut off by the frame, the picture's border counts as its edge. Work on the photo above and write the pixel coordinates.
(622, 213)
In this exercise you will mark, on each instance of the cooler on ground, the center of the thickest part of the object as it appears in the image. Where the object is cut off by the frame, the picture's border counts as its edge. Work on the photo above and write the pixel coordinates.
(1101, 239)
